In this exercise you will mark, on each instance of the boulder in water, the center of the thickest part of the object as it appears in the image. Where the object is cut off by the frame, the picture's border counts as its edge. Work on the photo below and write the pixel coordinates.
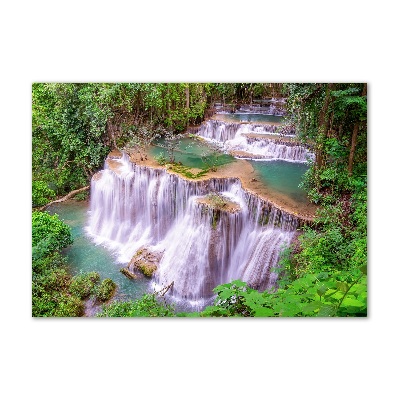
(145, 261)
(128, 273)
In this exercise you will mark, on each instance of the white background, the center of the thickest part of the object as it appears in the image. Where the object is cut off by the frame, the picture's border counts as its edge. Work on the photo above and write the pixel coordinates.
(281, 41)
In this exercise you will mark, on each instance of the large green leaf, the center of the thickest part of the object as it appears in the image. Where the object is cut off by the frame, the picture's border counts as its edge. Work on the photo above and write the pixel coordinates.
(352, 302)
(342, 286)
(327, 311)
(311, 307)
(264, 312)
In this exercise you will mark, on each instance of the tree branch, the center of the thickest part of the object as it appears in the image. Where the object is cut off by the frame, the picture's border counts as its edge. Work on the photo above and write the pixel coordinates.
(68, 196)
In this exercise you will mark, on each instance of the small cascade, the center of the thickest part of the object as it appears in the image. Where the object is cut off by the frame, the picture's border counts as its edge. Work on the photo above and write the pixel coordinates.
(246, 141)
(271, 109)
(221, 131)
(134, 207)
(268, 149)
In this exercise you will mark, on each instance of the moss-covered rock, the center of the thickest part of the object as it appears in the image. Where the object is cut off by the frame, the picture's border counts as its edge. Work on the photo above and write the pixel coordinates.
(144, 261)
(219, 202)
(105, 290)
(147, 268)
(83, 285)
(128, 273)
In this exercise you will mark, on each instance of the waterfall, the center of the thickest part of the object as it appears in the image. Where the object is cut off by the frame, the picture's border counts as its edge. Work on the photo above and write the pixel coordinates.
(134, 206)
(247, 141)
(222, 131)
(260, 148)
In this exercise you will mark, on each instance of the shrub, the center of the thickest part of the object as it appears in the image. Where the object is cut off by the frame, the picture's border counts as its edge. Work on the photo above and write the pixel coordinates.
(41, 193)
(217, 200)
(56, 304)
(82, 286)
(161, 159)
(146, 306)
(69, 306)
(82, 196)
(49, 234)
(105, 290)
(44, 264)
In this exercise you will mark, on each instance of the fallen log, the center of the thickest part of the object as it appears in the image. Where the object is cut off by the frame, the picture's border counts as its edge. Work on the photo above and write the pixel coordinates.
(68, 196)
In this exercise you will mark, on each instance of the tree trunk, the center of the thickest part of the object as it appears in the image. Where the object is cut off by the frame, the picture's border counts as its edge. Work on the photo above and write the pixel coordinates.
(68, 196)
(323, 127)
(354, 138)
(187, 93)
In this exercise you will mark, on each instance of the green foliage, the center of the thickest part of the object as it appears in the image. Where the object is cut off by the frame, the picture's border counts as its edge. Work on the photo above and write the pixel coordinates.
(55, 279)
(105, 290)
(50, 279)
(57, 304)
(49, 234)
(326, 115)
(337, 242)
(147, 306)
(312, 295)
(83, 285)
(230, 301)
(74, 125)
(187, 171)
(146, 268)
(41, 193)
(82, 196)
(54, 292)
(45, 264)
(161, 159)
(68, 128)
(68, 306)
(217, 200)
(50, 284)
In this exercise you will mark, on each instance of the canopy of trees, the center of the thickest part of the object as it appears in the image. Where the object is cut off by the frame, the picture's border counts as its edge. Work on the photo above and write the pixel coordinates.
(74, 125)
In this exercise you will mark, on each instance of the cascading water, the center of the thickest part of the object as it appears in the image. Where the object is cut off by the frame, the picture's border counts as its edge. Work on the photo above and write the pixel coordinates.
(246, 141)
(222, 131)
(134, 206)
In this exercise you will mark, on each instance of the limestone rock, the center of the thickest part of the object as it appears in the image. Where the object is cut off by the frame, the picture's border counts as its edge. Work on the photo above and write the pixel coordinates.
(145, 261)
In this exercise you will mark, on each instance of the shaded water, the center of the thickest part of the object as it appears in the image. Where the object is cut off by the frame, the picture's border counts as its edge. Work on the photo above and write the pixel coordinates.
(283, 177)
(84, 256)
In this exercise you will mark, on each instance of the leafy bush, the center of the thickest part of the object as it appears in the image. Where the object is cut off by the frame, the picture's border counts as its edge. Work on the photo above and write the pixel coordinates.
(49, 234)
(146, 306)
(312, 295)
(82, 196)
(217, 200)
(105, 290)
(69, 306)
(41, 193)
(83, 285)
(50, 297)
(44, 264)
(161, 159)
(53, 280)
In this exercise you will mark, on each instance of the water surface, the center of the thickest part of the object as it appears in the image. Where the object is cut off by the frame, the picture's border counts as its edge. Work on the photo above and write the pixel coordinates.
(193, 153)
(283, 177)
(85, 256)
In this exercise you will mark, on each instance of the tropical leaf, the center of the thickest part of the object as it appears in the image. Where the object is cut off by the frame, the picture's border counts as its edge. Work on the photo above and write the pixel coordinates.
(327, 311)
(264, 312)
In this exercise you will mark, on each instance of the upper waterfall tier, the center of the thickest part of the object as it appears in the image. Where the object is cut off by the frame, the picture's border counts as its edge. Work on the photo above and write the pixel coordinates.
(254, 141)
(134, 206)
